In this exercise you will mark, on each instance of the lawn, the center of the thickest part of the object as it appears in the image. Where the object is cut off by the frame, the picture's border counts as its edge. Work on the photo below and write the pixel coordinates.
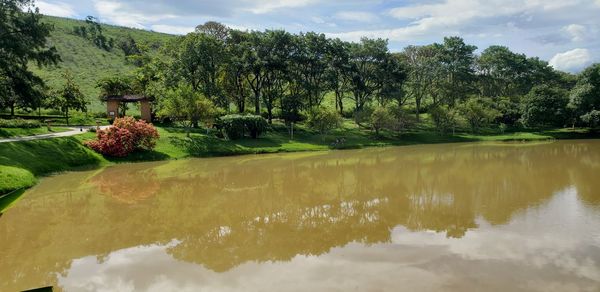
(22, 132)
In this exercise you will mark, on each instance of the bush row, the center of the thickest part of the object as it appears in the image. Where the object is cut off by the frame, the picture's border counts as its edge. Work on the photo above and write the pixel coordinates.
(237, 126)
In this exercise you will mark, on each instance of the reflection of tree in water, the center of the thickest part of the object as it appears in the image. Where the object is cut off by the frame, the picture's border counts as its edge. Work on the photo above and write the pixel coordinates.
(225, 212)
(126, 185)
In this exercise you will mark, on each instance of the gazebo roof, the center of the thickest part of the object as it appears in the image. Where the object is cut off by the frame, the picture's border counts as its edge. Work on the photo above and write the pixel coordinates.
(127, 98)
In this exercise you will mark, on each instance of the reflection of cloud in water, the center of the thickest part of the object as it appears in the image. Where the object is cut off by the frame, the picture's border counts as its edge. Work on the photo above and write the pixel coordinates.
(487, 258)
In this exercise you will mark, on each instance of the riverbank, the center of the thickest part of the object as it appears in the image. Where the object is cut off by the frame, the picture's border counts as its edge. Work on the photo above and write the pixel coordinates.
(23, 162)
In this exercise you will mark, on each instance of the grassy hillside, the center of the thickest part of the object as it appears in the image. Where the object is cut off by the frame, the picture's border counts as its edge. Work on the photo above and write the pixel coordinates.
(87, 62)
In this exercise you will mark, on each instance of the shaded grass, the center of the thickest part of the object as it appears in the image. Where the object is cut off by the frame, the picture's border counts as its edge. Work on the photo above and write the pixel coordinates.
(10, 199)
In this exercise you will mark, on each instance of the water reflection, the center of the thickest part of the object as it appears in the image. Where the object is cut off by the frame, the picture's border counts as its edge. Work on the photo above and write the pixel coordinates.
(423, 216)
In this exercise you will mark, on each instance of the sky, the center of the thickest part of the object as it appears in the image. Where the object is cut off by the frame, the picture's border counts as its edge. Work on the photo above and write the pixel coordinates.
(565, 33)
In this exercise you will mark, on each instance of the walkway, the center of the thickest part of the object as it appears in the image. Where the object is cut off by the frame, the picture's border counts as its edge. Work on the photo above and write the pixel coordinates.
(71, 132)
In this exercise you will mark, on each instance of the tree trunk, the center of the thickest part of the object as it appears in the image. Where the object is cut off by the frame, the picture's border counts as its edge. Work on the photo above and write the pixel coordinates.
(12, 110)
(256, 103)
(418, 105)
(67, 116)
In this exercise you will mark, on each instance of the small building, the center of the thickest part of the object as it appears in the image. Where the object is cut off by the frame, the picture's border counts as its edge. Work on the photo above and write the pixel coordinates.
(113, 102)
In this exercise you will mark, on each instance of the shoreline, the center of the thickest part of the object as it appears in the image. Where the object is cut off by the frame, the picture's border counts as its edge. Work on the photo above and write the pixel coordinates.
(41, 158)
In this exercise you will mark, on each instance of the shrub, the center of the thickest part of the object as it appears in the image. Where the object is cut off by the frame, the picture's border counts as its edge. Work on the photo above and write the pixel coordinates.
(19, 123)
(237, 126)
(592, 118)
(545, 106)
(479, 113)
(402, 119)
(381, 118)
(444, 118)
(323, 119)
(144, 134)
(125, 136)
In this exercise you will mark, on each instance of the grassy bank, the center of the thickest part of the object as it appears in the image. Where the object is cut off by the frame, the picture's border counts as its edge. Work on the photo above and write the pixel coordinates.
(22, 162)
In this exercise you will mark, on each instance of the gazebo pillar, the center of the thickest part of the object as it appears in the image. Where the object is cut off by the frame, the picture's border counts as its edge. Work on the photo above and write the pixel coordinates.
(112, 109)
(146, 110)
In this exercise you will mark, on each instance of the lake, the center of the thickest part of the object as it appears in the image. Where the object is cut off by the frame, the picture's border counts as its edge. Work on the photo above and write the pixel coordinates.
(448, 217)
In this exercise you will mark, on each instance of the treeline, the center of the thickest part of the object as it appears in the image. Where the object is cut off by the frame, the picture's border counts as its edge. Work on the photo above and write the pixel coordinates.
(287, 76)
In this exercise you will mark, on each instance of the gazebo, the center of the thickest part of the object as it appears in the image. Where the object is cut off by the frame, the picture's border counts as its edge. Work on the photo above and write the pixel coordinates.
(113, 102)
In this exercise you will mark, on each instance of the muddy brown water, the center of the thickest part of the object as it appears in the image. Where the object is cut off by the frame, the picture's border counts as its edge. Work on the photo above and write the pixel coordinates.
(458, 217)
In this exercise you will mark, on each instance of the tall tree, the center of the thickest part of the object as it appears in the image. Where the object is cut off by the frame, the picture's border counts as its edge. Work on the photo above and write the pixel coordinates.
(457, 60)
(254, 62)
(366, 60)
(423, 71)
(392, 76)
(23, 38)
(198, 61)
(215, 29)
(585, 96)
(236, 70)
(278, 46)
(338, 73)
(310, 66)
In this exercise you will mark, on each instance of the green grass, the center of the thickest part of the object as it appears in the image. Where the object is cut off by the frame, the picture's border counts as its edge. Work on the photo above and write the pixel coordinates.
(20, 132)
(13, 178)
(21, 162)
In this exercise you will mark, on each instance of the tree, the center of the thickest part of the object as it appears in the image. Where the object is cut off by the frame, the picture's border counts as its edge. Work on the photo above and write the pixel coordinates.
(278, 46)
(366, 60)
(214, 29)
(338, 73)
(23, 38)
(254, 59)
(69, 97)
(323, 119)
(445, 118)
(545, 106)
(198, 60)
(502, 72)
(457, 61)
(309, 66)
(236, 71)
(585, 96)
(392, 76)
(186, 106)
(423, 70)
(381, 118)
(478, 112)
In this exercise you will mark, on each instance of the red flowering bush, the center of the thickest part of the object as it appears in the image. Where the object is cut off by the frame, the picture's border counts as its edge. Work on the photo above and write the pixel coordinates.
(125, 136)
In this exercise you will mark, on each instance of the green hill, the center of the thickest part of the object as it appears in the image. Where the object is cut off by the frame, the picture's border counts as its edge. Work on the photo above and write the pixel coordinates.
(87, 62)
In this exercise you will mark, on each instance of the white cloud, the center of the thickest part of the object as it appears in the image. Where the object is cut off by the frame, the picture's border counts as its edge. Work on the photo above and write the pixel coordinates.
(117, 13)
(571, 61)
(356, 16)
(266, 6)
(172, 29)
(576, 32)
(56, 9)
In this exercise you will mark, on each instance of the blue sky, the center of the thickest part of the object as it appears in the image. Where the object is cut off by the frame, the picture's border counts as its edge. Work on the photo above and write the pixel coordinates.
(564, 32)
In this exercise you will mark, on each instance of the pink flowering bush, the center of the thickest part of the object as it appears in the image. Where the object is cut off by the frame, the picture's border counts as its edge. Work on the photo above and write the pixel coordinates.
(125, 136)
